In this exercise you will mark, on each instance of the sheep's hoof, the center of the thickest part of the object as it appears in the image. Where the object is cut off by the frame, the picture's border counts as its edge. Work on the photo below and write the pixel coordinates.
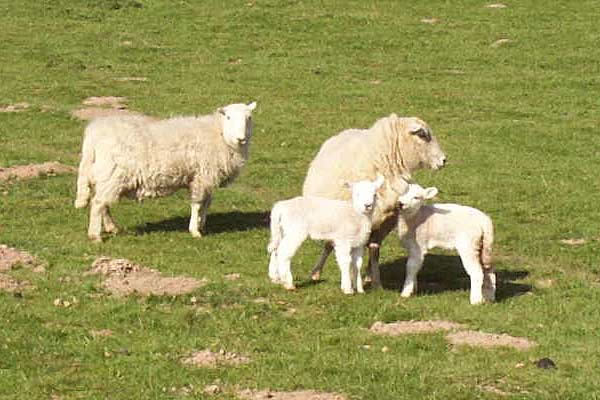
(289, 287)
(95, 238)
(348, 291)
(196, 234)
(112, 229)
(316, 276)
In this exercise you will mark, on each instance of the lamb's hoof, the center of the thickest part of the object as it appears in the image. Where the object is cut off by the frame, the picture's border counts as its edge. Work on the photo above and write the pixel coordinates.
(348, 291)
(196, 234)
(290, 287)
(315, 276)
(406, 294)
(476, 301)
(360, 291)
(113, 230)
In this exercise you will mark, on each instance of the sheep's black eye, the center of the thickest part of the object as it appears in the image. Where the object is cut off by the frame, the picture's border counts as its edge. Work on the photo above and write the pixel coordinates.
(423, 134)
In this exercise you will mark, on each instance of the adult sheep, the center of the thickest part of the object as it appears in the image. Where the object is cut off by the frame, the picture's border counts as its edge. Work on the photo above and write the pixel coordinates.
(140, 157)
(393, 147)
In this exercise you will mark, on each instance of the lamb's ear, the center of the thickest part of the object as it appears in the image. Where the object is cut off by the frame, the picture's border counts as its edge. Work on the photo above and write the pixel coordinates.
(221, 111)
(347, 185)
(430, 192)
(379, 181)
(251, 106)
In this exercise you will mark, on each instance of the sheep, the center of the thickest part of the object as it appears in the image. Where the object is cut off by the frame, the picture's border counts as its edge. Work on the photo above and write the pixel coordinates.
(345, 224)
(452, 227)
(141, 157)
(393, 147)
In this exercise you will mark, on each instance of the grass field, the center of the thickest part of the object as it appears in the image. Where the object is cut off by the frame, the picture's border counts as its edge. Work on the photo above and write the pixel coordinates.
(511, 93)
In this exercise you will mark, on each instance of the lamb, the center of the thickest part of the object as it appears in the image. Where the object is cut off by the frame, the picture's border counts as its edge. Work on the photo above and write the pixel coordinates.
(345, 224)
(141, 157)
(452, 227)
(394, 147)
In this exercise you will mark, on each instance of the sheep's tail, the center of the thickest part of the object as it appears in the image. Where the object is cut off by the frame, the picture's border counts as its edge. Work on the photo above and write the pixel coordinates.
(83, 177)
(486, 245)
(276, 231)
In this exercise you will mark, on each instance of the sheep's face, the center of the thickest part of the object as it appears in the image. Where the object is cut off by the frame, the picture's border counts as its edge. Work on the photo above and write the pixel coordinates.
(414, 197)
(237, 123)
(364, 195)
(423, 149)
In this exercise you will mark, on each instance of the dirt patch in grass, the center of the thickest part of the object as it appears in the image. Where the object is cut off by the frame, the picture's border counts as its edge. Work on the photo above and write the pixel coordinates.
(11, 285)
(123, 277)
(410, 327)
(297, 395)
(12, 108)
(10, 257)
(96, 106)
(29, 171)
(207, 358)
(487, 340)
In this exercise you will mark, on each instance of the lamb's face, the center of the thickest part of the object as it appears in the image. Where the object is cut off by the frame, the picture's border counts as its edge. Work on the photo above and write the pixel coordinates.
(237, 123)
(364, 195)
(424, 145)
(414, 197)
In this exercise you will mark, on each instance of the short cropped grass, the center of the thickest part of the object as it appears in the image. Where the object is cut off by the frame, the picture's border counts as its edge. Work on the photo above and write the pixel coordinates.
(518, 119)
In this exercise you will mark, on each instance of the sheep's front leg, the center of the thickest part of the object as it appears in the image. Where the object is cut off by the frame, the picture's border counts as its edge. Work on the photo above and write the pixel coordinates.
(413, 266)
(315, 275)
(375, 241)
(201, 198)
(344, 259)
(357, 254)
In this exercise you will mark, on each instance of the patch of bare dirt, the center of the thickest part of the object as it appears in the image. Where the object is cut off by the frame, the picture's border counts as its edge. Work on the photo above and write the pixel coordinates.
(410, 327)
(297, 395)
(207, 358)
(501, 42)
(430, 21)
(496, 5)
(34, 170)
(101, 333)
(11, 285)
(10, 257)
(574, 241)
(123, 277)
(102, 107)
(11, 108)
(487, 340)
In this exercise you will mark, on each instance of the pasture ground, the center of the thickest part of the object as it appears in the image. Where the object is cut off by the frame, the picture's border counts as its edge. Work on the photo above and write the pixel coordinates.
(511, 93)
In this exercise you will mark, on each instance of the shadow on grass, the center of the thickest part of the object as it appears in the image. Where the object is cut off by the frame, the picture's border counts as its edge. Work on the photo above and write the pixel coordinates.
(233, 221)
(441, 273)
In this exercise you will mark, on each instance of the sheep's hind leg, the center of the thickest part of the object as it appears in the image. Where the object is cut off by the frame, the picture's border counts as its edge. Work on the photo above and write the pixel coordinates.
(286, 250)
(315, 275)
(95, 226)
(273, 268)
(474, 269)
(109, 223)
(193, 227)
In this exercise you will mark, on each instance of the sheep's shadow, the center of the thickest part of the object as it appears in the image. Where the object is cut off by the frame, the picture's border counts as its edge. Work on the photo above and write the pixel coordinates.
(232, 221)
(441, 273)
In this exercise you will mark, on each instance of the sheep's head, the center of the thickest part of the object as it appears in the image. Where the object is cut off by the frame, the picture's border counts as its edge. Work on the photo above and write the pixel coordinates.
(364, 194)
(419, 147)
(414, 197)
(236, 121)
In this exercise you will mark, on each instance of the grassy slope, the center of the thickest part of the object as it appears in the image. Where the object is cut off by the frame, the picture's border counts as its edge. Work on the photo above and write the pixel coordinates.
(518, 122)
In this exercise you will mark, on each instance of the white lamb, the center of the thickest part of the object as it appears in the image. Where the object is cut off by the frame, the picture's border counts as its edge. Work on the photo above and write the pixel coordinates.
(449, 226)
(139, 157)
(346, 224)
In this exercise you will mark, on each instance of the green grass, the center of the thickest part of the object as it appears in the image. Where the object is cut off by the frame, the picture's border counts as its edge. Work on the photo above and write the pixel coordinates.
(519, 123)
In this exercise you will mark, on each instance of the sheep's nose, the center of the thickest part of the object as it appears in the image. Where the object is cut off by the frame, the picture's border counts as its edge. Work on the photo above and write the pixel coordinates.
(368, 207)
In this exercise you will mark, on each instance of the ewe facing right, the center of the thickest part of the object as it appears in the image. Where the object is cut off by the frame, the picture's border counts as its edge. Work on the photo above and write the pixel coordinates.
(140, 157)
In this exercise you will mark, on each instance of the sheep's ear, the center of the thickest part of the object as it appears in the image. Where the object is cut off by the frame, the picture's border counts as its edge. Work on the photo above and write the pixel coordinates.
(221, 111)
(347, 185)
(430, 192)
(379, 181)
(251, 106)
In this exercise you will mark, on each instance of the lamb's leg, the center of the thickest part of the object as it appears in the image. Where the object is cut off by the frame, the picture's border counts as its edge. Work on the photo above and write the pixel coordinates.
(474, 269)
(285, 252)
(344, 259)
(414, 263)
(357, 254)
(315, 275)
(489, 284)
(273, 268)
(109, 222)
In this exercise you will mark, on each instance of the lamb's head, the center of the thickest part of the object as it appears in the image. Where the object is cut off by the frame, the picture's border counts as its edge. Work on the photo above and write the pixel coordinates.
(364, 195)
(418, 146)
(414, 197)
(236, 120)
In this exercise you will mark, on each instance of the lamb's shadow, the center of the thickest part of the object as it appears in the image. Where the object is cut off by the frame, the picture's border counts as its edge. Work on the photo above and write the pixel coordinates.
(232, 221)
(441, 273)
